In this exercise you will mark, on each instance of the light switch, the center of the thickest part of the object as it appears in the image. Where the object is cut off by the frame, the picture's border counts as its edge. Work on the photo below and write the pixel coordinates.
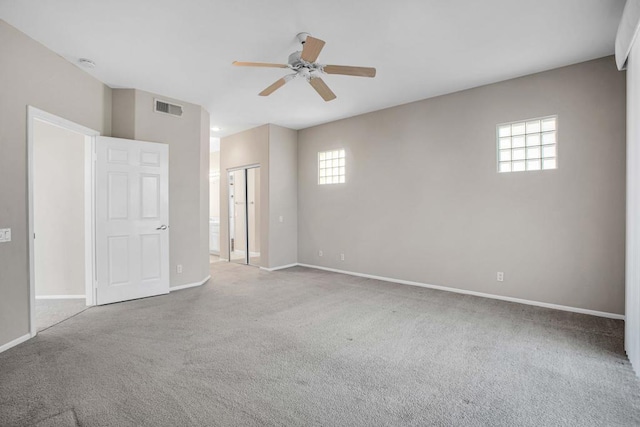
(281, 218)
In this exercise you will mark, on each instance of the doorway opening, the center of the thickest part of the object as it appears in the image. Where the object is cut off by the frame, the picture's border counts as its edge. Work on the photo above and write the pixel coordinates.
(244, 215)
(214, 200)
(60, 168)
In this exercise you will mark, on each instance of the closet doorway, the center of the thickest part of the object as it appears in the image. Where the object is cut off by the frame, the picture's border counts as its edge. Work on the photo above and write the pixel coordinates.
(244, 215)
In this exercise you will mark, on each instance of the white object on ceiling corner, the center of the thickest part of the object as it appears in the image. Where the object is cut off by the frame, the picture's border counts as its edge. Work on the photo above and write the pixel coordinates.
(214, 144)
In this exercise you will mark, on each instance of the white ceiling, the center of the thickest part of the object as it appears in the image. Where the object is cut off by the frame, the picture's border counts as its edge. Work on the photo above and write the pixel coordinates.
(421, 48)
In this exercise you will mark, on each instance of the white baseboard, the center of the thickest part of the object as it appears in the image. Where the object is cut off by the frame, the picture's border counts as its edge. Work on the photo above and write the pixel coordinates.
(223, 259)
(61, 296)
(189, 285)
(15, 342)
(477, 294)
(280, 267)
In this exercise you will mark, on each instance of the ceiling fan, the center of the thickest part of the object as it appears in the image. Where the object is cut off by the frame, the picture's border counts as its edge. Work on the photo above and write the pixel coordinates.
(305, 66)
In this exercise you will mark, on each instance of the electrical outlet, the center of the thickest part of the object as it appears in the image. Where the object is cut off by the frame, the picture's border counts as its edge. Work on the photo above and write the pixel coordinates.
(179, 268)
(500, 276)
(5, 235)
(320, 253)
(341, 257)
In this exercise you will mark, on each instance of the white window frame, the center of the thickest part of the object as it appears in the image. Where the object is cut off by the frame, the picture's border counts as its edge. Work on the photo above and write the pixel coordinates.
(341, 175)
(541, 132)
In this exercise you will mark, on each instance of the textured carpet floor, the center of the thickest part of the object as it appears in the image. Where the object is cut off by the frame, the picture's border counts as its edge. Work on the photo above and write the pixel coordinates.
(52, 311)
(307, 347)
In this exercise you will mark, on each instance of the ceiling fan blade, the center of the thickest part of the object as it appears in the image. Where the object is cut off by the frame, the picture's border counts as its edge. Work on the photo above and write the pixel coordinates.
(258, 64)
(323, 90)
(347, 70)
(277, 85)
(311, 49)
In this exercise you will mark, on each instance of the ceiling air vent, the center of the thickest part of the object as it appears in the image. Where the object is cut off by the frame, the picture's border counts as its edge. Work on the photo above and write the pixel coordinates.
(167, 108)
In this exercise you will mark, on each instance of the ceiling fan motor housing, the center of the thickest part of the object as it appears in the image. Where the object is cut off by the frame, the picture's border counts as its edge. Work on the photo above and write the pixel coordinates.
(302, 37)
(298, 64)
(294, 60)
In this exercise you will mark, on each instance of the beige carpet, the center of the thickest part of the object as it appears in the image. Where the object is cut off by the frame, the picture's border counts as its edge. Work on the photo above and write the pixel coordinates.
(52, 311)
(305, 347)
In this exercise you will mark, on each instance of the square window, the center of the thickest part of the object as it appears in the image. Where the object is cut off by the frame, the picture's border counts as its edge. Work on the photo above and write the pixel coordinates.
(533, 139)
(549, 164)
(331, 167)
(518, 154)
(517, 141)
(549, 138)
(518, 129)
(549, 151)
(533, 153)
(527, 145)
(533, 165)
(504, 131)
(518, 166)
(505, 167)
(548, 124)
(533, 126)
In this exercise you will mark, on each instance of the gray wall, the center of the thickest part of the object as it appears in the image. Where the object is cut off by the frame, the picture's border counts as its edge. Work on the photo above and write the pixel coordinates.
(58, 210)
(423, 201)
(250, 147)
(188, 140)
(214, 185)
(123, 113)
(283, 192)
(274, 148)
(33, 75)
(205, 140)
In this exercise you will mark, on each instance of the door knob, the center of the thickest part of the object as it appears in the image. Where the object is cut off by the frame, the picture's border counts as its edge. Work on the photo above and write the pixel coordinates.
(162, 227)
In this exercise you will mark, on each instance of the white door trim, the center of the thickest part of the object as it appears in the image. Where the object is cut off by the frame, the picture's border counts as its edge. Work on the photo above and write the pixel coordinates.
(90, 134)
(239, 168)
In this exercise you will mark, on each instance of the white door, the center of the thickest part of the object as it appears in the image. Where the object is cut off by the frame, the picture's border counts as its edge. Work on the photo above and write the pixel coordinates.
(132, 219)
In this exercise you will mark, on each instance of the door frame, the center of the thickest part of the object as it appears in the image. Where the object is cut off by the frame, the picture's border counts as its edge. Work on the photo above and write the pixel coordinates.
(89, 217)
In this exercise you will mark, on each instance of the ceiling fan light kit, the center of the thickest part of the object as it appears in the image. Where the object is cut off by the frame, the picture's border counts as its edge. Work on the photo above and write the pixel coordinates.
(304, 65)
